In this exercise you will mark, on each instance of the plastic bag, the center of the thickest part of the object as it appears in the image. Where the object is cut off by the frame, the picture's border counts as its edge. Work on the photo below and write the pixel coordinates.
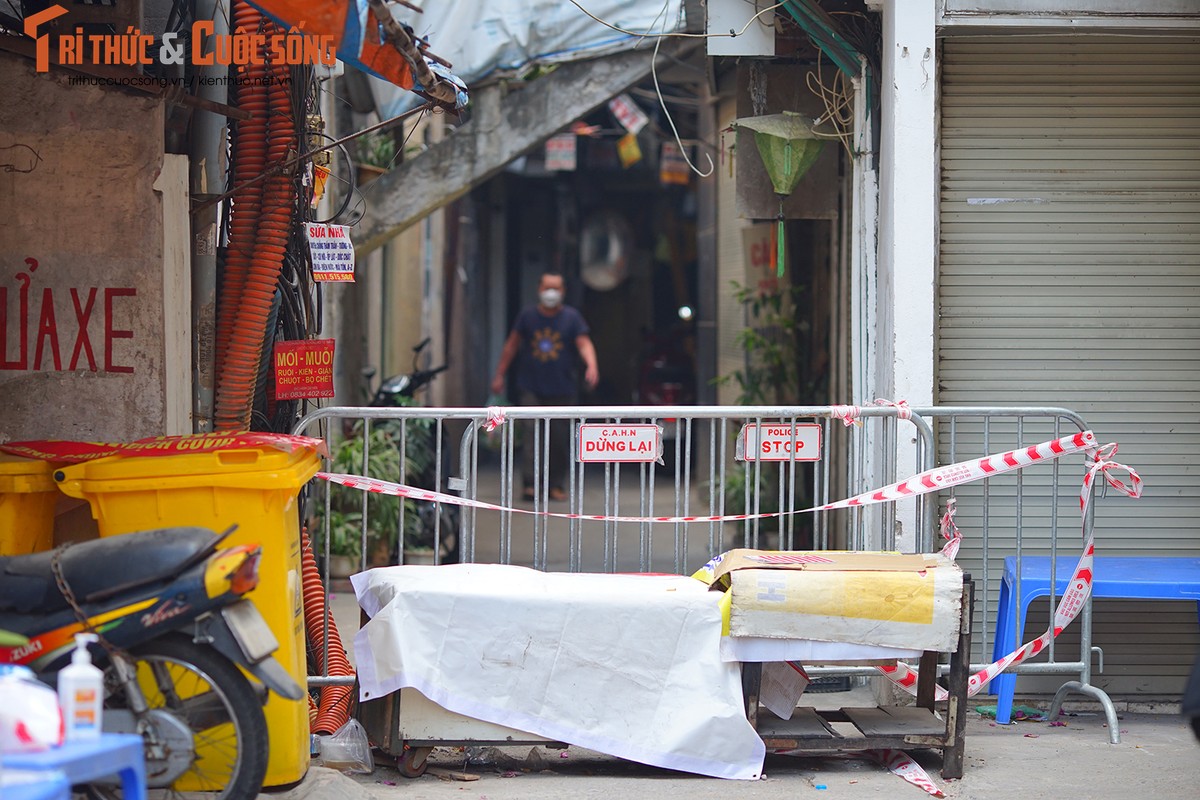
(30, 719)
(348, 749)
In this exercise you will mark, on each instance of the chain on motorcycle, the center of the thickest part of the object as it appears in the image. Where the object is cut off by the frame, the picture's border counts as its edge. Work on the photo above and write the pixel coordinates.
(64, 588)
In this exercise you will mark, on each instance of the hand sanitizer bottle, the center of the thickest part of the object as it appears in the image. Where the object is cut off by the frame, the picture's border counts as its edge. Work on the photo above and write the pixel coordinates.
(81, 692)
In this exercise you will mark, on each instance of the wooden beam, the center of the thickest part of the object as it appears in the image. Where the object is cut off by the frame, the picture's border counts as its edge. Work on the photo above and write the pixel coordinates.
(507, 121)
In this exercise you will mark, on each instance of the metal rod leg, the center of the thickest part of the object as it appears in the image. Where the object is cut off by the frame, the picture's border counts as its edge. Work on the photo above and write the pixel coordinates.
(751, 685)
(1075, 687)
(927, 679)
(956, 686)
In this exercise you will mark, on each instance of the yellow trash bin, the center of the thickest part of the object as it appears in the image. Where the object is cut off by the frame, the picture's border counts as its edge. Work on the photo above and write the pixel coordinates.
(256, 489)
(27, 498)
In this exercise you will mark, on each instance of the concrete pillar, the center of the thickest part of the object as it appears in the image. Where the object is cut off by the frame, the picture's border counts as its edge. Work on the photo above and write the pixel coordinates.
(907, 223)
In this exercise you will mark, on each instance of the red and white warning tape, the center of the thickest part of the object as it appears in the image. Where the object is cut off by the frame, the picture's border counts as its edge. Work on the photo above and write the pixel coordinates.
(495, 418)
(928, 481)
(1073, 598)
(902, 764)
(933, 480)
(851, 415)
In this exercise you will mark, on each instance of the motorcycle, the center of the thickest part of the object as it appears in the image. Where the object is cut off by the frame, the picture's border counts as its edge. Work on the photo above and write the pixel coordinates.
(666, 377)
(169, 607)
(438, 522)
(398, 389)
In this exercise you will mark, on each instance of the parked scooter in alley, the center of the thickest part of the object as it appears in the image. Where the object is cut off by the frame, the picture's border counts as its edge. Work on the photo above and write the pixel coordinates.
(427, 464)
(174, 626)
(666, 376)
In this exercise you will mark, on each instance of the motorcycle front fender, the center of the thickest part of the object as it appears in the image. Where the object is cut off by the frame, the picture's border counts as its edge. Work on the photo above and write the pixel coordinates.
(239, 633)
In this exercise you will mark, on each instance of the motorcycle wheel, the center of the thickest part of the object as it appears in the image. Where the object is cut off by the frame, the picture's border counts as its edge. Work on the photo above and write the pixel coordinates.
(204, 691)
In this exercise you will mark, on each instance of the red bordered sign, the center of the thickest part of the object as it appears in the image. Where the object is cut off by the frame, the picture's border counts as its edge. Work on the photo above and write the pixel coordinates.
(332, 252)
(619, 443)
(304, 369)
(778, 441)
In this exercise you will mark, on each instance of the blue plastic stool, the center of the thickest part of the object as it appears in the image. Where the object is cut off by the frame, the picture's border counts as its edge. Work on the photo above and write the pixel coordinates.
(1119, 577)
(84, 762)
(51, 785)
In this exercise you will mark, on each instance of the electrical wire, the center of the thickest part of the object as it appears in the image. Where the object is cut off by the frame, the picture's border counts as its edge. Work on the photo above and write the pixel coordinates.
(658, 37)
(347, 181)
(683, 151)
(295, 315)
(677, 34)
(839, 106)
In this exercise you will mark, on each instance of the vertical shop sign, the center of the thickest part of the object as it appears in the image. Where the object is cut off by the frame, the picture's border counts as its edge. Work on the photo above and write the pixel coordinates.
(332, 252)
(560, 153)
(758, 249)
(628, 150)
(672, 166)
(628, 113)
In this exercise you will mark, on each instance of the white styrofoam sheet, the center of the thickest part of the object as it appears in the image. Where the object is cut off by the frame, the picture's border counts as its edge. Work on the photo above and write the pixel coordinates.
(911, 609)
(808, 651)
(627, 665)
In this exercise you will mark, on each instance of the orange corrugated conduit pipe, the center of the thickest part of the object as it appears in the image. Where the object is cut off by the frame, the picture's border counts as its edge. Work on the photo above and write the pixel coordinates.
(259, 226)
(249, 159)
(334, 708)
(261, 236)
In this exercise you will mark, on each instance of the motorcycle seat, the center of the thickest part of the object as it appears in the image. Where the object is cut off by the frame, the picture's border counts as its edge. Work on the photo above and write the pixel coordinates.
(27, 583)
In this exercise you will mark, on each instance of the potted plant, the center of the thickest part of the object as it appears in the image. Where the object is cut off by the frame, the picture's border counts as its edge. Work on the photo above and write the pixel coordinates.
(774, 343)
(346, 504)
(376, 152)
(383, 511)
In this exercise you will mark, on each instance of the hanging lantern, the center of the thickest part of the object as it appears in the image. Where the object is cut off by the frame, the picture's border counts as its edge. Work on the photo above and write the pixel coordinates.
(788, 147)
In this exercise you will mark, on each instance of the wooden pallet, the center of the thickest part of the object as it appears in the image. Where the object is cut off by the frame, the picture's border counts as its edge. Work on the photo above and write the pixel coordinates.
(897, 727)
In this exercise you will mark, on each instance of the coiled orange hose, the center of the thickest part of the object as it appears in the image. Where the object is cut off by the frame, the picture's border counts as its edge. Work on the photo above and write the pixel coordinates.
(259, 226)
(251, 288)
(334, 709)
(249, 159)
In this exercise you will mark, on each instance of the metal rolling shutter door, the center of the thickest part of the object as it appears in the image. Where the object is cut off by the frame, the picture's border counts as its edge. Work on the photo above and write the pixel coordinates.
(1069, 274)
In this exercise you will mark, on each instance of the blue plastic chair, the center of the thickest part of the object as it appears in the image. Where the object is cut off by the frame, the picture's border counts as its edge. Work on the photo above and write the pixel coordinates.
(112, 754)
(1118, 577)
(34, 785)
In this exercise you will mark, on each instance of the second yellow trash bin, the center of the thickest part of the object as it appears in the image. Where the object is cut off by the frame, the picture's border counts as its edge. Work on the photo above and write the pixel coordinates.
(27, 498)
(255, 488)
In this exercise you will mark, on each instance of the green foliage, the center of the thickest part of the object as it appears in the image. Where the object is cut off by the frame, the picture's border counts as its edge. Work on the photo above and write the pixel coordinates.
(377, 149)
(772, 344)
(738, 478)
(383, 511)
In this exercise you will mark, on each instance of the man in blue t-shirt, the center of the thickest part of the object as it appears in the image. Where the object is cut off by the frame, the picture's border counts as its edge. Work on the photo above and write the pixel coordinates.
(547, 341)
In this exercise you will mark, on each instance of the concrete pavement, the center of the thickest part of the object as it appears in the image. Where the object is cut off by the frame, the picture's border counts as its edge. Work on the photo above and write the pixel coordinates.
(1158, 757)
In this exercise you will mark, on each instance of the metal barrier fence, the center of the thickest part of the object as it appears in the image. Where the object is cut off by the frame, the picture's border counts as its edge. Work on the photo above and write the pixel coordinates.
(1016, 514)
(702, 474)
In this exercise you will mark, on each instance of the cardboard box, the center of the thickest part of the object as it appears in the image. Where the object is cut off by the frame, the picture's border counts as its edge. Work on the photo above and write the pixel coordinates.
(889, 599)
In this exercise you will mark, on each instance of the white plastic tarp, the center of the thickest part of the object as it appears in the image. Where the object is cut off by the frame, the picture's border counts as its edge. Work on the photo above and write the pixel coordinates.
(627, 665)
(508, 35)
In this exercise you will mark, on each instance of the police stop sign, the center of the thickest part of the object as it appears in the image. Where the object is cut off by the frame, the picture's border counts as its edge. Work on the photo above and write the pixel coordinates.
(778, 441)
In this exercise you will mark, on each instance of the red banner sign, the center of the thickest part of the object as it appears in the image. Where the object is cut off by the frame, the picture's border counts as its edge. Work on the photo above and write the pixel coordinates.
(75, 452)
(304, 369)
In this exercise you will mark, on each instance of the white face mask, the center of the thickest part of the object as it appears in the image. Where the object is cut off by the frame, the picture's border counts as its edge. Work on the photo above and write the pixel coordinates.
(550, 298)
